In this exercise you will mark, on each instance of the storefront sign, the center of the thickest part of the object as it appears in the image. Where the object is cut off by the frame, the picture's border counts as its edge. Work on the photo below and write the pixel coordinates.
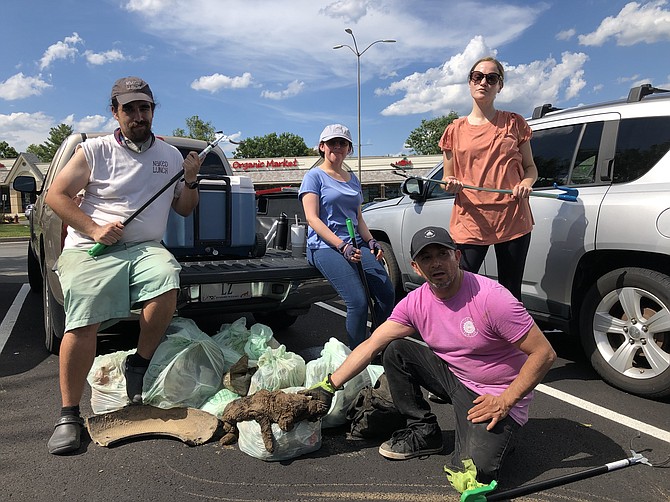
(265, 165)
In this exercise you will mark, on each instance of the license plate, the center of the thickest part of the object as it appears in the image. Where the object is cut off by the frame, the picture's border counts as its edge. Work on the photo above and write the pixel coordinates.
(223, 292)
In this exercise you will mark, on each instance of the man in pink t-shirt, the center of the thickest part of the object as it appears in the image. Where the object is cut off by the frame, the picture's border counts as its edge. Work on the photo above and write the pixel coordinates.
(482, 353)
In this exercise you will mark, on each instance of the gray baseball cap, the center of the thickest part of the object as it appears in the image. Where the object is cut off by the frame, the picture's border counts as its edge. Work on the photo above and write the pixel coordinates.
(335, 131)
(129, 89)
(430, 235)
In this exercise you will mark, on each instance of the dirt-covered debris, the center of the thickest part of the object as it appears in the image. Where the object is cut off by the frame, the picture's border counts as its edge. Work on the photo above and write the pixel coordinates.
(268, 407)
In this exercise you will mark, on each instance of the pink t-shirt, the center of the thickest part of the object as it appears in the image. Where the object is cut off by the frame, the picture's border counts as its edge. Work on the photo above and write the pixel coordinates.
(488, 156)
(473, 332)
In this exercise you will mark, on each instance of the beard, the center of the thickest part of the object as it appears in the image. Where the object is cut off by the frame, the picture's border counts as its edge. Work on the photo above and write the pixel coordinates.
(138, 132)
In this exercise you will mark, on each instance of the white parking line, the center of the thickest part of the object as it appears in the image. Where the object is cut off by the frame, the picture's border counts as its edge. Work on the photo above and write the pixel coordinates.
(12, 314)
(632, 423)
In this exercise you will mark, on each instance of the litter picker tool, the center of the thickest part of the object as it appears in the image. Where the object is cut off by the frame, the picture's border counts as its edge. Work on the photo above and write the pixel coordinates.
(99, 248)
(484, 493)
(361, 273)
(569, 195)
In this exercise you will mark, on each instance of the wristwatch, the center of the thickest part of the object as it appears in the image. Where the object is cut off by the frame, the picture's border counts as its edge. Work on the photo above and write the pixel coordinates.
(192, 185)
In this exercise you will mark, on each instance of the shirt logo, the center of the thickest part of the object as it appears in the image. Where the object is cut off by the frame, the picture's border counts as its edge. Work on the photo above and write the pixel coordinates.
(468, 328)
(160, 166)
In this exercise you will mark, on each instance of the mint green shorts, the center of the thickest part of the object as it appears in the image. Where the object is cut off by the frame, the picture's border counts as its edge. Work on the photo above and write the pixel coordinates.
(110, 285)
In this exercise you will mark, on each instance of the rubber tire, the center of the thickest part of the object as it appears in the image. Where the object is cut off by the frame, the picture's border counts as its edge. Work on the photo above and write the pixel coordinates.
(392, 269)
(276, 320)
(34, 272)
(54, 318)
(649, 283)
(260, 246)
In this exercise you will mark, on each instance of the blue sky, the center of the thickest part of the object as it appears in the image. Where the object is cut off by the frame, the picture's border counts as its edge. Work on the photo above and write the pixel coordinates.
(253, 67)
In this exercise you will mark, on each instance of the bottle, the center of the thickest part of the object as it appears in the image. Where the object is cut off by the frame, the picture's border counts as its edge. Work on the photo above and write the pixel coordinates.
(282, 232)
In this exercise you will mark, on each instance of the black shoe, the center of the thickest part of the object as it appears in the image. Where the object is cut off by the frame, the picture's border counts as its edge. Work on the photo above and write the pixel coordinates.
(134, 381)
(66, 437)
(408, 443)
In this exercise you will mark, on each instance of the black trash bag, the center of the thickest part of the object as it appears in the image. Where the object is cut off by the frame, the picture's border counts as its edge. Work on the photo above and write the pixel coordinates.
(372, 414)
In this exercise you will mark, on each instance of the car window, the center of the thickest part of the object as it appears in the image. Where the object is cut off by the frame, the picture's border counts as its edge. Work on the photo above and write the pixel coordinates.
(641, 142)
(556, 150)
(211, 165)
(436, 190)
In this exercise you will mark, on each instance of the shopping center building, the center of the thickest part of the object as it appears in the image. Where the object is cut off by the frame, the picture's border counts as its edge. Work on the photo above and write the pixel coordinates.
(376, 173)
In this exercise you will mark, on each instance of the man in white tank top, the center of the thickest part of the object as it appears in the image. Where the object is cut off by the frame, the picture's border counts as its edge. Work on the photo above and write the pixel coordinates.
(117, 174)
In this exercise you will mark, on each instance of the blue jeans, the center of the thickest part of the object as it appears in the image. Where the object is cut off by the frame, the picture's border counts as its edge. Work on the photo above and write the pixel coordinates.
(409, 366)
(343, 276)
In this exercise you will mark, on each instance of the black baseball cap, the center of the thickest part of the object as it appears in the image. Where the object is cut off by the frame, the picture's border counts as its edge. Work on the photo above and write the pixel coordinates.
(430, 235)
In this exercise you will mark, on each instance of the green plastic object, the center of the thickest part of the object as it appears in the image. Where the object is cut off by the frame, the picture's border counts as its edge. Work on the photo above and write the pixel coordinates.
(352, 232)
(96, 249)
(478, 494)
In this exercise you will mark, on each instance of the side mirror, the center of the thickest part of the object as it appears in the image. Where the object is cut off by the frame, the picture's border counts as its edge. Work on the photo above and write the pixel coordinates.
(24, 184)
(414, 188)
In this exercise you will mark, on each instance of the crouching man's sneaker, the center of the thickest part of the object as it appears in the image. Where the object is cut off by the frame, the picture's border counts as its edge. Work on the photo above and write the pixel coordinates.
(409, 443)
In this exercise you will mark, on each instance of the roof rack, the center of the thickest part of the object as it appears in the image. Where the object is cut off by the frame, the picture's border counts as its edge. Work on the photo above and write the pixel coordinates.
(639, 92)
(541, 111)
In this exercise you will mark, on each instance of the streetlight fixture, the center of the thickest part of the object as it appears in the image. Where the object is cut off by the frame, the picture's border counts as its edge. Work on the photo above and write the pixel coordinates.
(358, 54)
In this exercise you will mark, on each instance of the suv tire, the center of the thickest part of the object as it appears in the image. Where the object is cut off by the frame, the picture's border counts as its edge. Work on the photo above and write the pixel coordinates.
(392, 269)
(54, 318)
(625, 330)
(34, 272)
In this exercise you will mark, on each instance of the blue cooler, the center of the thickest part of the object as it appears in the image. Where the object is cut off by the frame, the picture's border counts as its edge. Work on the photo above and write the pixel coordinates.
(223, 223)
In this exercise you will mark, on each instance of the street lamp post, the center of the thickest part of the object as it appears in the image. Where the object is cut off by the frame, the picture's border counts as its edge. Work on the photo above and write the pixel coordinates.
(358, 54)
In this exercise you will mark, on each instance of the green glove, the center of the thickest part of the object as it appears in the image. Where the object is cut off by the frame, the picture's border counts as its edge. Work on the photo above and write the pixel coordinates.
(322, 391)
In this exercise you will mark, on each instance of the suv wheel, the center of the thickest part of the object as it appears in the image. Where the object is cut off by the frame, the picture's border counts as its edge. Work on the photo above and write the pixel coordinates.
(54, 317)
(625, 330)
(392, 269)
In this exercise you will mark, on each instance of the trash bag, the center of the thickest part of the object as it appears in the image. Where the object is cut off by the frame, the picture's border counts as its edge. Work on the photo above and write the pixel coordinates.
(304, 438)
(235, 340)
(108, 383)
(238, 378)
(372, 414)
(218, 402)
(333, 354)
(186, 369)
(278, 369)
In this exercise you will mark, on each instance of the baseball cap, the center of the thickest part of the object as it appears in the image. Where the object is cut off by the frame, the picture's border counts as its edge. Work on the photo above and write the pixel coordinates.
(335, 131)
(129, 89)
(430, 235)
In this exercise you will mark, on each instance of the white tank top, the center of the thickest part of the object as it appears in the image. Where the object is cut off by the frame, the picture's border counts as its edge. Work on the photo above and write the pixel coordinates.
(121, 182)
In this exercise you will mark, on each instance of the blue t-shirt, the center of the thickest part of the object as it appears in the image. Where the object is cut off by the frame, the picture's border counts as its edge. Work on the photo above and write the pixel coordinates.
(337, 202)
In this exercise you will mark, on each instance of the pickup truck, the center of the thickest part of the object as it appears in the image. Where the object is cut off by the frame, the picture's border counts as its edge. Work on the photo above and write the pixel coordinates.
(273, 285)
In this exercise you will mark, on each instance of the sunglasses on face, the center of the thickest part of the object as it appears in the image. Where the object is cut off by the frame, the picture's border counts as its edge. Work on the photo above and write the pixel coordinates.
(333, 143)
(491, 78)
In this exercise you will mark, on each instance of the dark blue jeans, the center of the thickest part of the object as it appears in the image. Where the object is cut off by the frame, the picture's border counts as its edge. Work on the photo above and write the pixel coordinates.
(409, 366)
(343, 276)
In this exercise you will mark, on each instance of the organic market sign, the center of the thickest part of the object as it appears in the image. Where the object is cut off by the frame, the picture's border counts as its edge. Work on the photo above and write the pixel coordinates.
(266, 164)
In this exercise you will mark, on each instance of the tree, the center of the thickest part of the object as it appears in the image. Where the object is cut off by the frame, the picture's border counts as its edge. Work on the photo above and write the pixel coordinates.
(197, 129)
(7, 152)
(424, 139)
(271, 145)
(46, 151)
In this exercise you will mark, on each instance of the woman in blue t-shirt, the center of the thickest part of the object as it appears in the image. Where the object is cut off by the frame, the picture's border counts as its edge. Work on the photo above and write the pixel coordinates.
(330, 194)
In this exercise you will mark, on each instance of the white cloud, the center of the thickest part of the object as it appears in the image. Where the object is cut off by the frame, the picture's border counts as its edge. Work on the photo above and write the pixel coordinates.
(23, 129)
(216, 82)
(349, 10)
(100, 58)
(444, 89)
(20, 86)
(61, 50)
(636, 23)
(566, 34)
(293, 89)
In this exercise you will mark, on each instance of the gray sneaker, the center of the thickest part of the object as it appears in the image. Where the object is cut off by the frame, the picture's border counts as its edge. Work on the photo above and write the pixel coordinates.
(134, 381)
(408, 443)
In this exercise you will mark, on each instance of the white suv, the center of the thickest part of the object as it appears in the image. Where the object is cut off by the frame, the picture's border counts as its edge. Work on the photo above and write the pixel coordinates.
(599, 267)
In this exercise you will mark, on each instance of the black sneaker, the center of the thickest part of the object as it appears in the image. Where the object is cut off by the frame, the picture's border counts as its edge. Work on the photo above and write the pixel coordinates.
(408, 443)
(134, 381)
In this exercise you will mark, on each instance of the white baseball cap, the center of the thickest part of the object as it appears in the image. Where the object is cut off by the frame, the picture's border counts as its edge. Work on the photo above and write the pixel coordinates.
(335, 131)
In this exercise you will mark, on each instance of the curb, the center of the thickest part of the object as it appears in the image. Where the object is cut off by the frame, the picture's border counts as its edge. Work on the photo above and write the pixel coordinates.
(14, 239)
